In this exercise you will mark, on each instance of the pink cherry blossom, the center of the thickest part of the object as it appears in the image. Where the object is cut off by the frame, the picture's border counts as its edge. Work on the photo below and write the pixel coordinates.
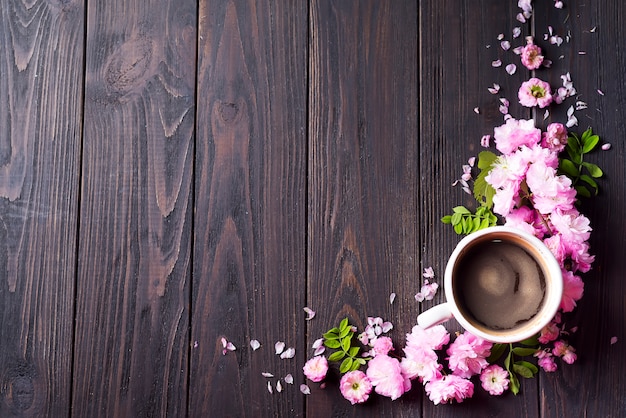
(427, 292)
(422, 363)
(468, 355)
(573, 288)
(531, 56)
(515, 133)
(549, 333)
(555, 137)
(355, 386)
(572, 225)
(382, 346)
(547, 364)
(494, 379)
(316, 368)
(565, 351)
(535, 92)
(432, 338)
(386, 376)
(448, 388)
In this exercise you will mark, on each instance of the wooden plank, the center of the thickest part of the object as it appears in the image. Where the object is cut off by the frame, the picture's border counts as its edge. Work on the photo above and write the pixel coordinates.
(250, 224)
(132, 339)
(458, 45)
(594, 56)
(40, 124)
(363, 179)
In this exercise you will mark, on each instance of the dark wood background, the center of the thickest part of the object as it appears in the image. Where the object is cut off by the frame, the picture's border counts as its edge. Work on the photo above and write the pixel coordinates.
(175, 172)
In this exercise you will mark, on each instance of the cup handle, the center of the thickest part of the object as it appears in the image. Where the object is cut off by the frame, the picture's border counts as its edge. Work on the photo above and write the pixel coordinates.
(434, 316)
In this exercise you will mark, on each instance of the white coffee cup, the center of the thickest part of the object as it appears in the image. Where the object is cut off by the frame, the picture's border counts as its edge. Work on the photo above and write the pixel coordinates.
(488, 273)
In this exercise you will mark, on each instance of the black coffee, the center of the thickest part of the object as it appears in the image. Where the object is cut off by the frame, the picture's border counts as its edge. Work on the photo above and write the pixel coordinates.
(499, 284)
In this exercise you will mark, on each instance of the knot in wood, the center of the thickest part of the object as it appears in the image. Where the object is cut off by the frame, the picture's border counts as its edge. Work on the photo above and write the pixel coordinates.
(228, 111)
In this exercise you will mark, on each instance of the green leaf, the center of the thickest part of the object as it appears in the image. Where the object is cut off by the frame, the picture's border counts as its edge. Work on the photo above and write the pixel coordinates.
(530, 342)
(496, 352)
(590, 143)
(528, 365)
(336, 356)
(593, 169)
(507, 362)
(582, 190)
(514, 383)
(446, 219)
(458, 228)
(476, 224)
(353, 351)
(333, 331)
(483, 191)
(569, 168)
(355, 366)
(486, 159)
(590, 182)
(343, 325)
(574, 143)
(334, 343)
(360, 361)
(456, 218)
(521, 351)
(345, 332)
(461, 209)
(346, 343)
(522, 370)
(465, 226)
(484, 223)
(585, 136)
(345, 366)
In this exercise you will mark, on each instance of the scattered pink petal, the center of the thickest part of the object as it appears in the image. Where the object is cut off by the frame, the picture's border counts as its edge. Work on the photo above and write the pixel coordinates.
(517, 31)
(227, 345)
(310, 313)
(279, 387)
(613, 340)
(518, 50)
(500, 36)
(484, 141)
(230, 346)
(279, 347)
(429, 273)
(471, 161)
(269, 387)
(505, 45)
(305, 389)
(592, 30)
(267, 374)
(496, 63)
(255, 344)
(387, 326)
(558, 4)
(288, 353)
(606, 147)
(546, 114)
(392, 297)
(582, 53)
(289, 379)
(319, 350)
(477, 110)
(600, 92)
(323, 385)
(495, 89)
(224, 342)
(511, 68)
(195, 344)
(520, 18)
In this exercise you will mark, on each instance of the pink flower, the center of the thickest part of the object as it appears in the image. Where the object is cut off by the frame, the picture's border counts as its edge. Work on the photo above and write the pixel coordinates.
(572, 225)
(531, 56)
(433, 338)
(555, 137)
(316, 368)
(549, 333)
(449, 387)
(383, 345)
(494, 379)
(573, 288)
(355, 386)
(505, 199)
(565, 351)
(421, 362)
(547, 364)
(535, 92)
(468, 355)
(386, 376)
(515, 133)
(427, 292)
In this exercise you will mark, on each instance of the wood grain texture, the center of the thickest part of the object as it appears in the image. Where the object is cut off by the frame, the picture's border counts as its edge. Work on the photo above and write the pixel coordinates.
(40, 124)
(132, 339)
(457, 46)
(250, 230)
(602, 311)
(363, 178)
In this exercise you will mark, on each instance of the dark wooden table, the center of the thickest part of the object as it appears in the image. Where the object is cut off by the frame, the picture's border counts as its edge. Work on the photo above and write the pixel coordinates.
(175, 172)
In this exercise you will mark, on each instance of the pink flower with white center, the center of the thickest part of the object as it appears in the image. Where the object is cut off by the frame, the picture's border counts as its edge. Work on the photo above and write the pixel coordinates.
(535, 92)
(355, 386)
(549, 333)
(573, 288)
(505, 199)
(536, 153)
(468, 355)
(382, 346)
(421, 362)
(565, 351)
(386, 376)
(427, 292)
(433, 338)
(448, 388)
(572, 225)
(547, 364)
(531, 56)
(563, 199)
(555, 137)
(316, 368)
(515, 133)
(494, 379)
